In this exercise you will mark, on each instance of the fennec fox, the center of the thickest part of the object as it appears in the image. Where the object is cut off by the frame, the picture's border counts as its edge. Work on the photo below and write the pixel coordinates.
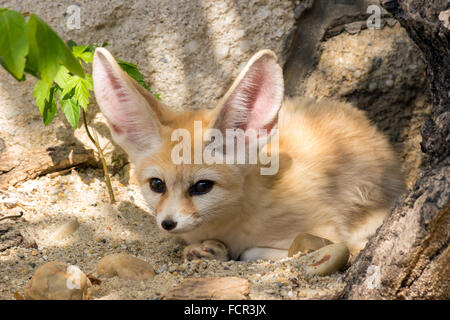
(337, 175)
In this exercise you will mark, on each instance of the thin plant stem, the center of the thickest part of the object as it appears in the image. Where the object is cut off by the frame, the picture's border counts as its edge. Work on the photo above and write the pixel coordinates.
(100, 152)
(12, 216)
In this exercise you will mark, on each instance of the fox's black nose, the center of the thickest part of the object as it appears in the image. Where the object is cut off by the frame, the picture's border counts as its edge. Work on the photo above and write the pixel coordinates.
(168, 224)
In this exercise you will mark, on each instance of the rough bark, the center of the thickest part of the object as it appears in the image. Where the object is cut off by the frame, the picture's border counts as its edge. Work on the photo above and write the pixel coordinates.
(17, 167)
(409, 258)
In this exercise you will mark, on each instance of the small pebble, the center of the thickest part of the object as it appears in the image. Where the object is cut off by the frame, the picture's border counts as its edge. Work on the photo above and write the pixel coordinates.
(125, 266)
(57, 281)
(305, 242)
(326, 260)
(66, 229)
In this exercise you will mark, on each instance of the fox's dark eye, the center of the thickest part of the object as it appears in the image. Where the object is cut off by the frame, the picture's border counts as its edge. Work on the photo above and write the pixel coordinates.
(157, 185)
(201, 187)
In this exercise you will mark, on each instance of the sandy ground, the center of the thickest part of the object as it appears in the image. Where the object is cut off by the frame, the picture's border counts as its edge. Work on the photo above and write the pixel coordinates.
(126, 227)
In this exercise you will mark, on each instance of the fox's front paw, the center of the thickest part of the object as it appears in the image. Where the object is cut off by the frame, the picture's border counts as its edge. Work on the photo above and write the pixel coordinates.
(208, 250)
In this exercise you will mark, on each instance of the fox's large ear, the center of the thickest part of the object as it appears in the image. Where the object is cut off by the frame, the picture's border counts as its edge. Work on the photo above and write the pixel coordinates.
(255, 97)
(133, 116)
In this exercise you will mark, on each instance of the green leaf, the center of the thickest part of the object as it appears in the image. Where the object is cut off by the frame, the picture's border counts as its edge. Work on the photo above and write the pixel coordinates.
(71, 110)
(32, 59)
(133, 72)
(89, 82)
(77, 50)
(79, 89)
(71, 44)
(45, 100)
(91, 48)
(33, 70)
(87, 56)
(84, 52)
(13, 42)
(69, 88)
(2, 63)
(62, 77)
(47, 51)
(41, 92)
(82, 88)
(50, 109)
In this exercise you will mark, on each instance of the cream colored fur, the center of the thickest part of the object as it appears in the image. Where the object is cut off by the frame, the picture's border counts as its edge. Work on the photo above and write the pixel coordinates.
(338, 175)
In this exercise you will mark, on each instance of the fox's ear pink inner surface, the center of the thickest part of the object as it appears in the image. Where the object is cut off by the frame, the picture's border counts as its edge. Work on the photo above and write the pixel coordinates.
(255, 97)
(133, 124)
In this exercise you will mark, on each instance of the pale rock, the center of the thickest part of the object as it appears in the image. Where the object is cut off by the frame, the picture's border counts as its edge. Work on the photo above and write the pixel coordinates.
(305, 242)
(326, 260)
(444, 16)
(125, 266)
(66, 229)
(57, 280)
